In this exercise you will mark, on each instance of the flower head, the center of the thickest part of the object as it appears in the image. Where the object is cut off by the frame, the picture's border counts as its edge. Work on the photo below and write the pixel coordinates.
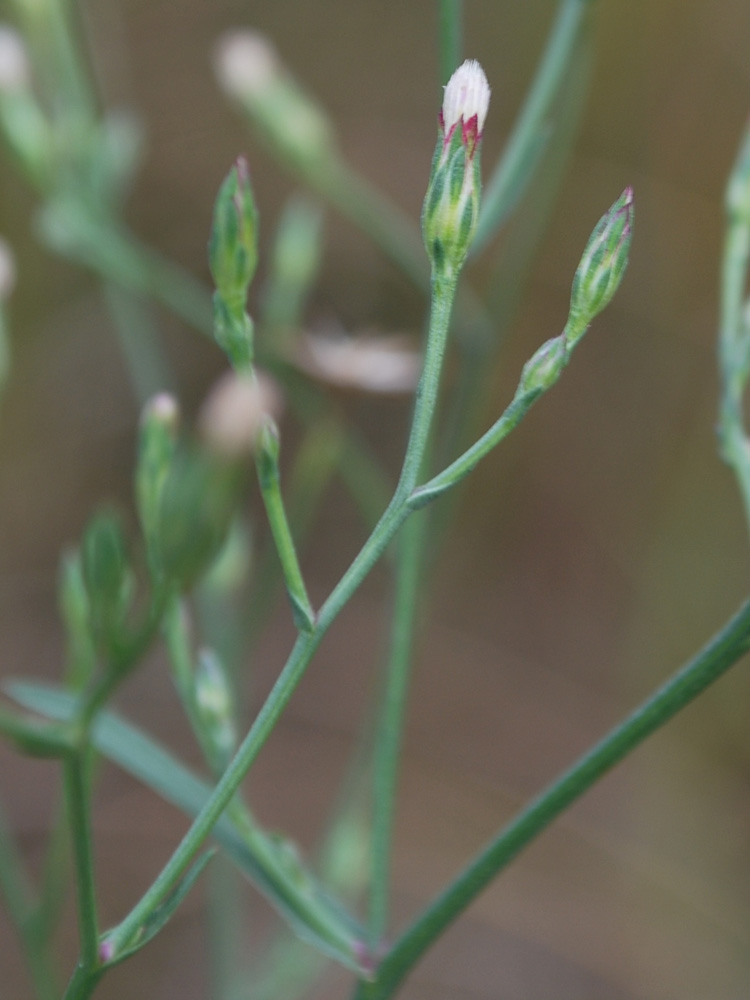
(451, 206)
(465, 102)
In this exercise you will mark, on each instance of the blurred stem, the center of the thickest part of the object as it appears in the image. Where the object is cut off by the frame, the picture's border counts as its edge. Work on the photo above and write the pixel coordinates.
(20, 904)
(531, 131)
(307, 643)
(733, 356)
(411, 547)
(450, 16)
(226, 928)
(77, 797)
(723, 650)
(139, 342)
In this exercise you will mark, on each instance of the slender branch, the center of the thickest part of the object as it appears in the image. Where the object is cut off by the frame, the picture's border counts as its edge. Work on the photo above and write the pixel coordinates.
(391, 723)
(147, 365)
(77, 796)
(450, 30)
(307, 643)
(21, 907)
(528, 139)
(723, 650)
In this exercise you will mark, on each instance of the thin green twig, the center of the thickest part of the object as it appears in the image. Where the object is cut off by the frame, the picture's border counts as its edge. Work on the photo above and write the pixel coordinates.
(450, 32)
(531, 131)
(78, 800)
(728, 646)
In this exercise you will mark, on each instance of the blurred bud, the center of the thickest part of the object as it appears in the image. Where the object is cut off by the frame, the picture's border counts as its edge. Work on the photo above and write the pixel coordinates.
(214, 703)
(251, 73)
(107, 576)
(7, 271)
(231, 567)
(233, 247)
(602, 266)
(451, 205)
(197, 504)
(15, 69)
(545, 367)
(737, 197)
(75, 610)
(375, 363)
(294, 265)
(232, 416)
(267, 453)
(156, 448)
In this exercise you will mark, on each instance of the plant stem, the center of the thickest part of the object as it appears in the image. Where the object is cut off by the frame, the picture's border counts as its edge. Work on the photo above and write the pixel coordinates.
(270, 487)
(450, 37)
(307, 643)
(77, 796)
(21, 907)
(138, 337)
(391, 723)
(723, 650)
(528, 139)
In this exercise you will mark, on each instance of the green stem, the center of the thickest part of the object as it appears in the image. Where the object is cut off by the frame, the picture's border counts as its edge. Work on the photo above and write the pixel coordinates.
(450, 30)
(723, 650)
(77, 796)
(307, 643)
(528, 139)
(138, 337)
(270, 487)
(464, 464)
(20, 904)
(391, 722)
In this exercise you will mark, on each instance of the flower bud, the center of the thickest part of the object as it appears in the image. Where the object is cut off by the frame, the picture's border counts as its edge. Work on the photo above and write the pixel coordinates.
(233, 248)
(108, 576)
(451, 206)
(250, 72)
(75, 611)
(214, 707)
(737, 199)
(545, 367)
(156, 448)
(602, 266)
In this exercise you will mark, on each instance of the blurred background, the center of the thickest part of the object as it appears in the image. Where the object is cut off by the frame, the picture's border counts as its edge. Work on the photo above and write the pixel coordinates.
(590, 555)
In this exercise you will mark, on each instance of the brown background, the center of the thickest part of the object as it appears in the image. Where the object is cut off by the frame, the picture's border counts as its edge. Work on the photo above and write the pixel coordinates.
(592, 554)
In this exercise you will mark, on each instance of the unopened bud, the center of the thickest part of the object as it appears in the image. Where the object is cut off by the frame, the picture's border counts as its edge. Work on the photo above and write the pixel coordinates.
(214, 704)
(107, 575)
(737, 197)
(545, 367)
(235, 411)
(233, 248)
(7, 271)
(602, 266)
(15, 71)
(451, 206)
(251, 73)
(267, 453)
(156, 449)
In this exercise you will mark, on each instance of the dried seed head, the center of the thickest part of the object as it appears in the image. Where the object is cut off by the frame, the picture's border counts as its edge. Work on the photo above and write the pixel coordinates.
(245, 63)
(235, 412)
(15, 71)
(467, 95)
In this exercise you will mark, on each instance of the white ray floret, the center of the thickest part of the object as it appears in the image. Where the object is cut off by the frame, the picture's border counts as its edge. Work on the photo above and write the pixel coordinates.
(467, 93)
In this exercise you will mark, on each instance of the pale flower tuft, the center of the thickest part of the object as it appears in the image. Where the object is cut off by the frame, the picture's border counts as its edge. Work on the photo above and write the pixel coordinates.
(466, 94)
(245, 63)
(235, 412)
(15, 72)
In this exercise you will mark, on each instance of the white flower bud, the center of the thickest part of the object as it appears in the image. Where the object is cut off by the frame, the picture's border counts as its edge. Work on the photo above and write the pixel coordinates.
(162, 407)
(235, 412)
(467, 94)
(245, 63)
(15, 71)
(7, 271)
